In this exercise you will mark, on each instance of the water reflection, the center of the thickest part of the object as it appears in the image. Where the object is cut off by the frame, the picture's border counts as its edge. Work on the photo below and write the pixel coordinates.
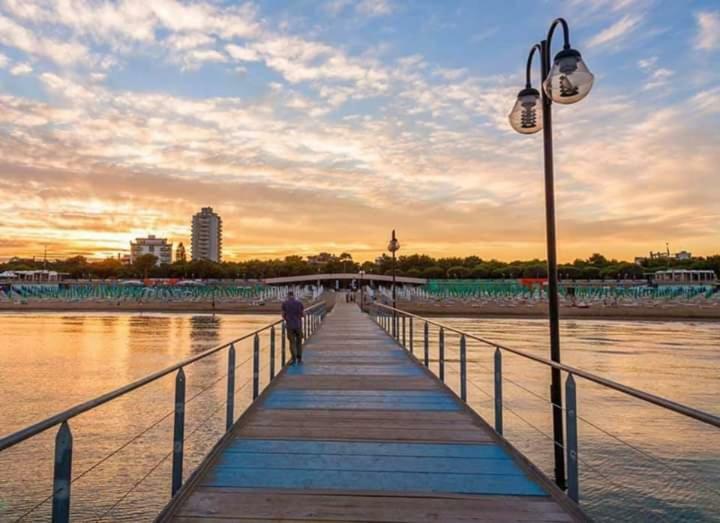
(204, 331)
(49, 362)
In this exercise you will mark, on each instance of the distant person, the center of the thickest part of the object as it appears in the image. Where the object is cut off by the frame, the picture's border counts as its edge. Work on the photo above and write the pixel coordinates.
(293, 312)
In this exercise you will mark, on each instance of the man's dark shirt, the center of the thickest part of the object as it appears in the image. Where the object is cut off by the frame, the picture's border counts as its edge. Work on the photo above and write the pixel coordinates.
(292, 310)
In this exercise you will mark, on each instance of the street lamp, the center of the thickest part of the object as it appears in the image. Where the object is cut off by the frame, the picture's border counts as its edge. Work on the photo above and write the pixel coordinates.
(362, 291)
(566, 80)
(393, 247)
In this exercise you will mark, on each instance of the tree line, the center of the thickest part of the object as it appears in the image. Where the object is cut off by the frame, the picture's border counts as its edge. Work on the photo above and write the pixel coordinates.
(596, 266)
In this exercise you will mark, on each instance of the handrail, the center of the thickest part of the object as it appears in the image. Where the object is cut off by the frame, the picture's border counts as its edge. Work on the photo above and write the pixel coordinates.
(35, 429)
(679, 408)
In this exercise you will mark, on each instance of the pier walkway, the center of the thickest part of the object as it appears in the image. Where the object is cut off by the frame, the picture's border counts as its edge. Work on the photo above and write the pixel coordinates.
(361, 431)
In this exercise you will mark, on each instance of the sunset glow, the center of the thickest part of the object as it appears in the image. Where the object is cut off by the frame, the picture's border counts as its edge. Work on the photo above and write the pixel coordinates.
(321, 126)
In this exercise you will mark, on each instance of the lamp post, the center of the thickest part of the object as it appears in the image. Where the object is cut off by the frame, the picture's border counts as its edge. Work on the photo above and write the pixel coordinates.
(362, 291)
(393, 247)
(565, 80)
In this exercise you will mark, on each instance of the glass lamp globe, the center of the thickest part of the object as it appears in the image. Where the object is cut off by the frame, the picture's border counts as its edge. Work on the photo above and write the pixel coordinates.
(569, 80)
(526, 115)
(394, 245)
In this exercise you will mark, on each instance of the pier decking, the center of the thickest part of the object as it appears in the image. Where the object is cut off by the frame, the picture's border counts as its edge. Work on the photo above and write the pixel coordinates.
(362, 432)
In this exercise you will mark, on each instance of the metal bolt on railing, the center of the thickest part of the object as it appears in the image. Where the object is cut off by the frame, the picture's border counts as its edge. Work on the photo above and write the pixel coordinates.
(256, 367)
(411, 336)
(498, 392)
(178, 432)
(571, 439)
(426, 344)
(272, 353)
(404, 340)
(230, 400)
(463, 369)
(62, 474)
(441, 354)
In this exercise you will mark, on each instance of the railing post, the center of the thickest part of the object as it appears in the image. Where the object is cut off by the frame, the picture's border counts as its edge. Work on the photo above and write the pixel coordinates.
(178, 432)
(62, 475)
(283, 335)
(256, 367)
(441, 354)
(411, 334)
(572, 439)
(404, 340)
(498, 392)
(272, 353)
(230, 402)
(427, 345)
(463, 369)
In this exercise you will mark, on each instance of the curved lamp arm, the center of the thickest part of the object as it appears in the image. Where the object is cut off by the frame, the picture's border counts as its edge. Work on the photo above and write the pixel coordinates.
(528, 67)
(566, 33)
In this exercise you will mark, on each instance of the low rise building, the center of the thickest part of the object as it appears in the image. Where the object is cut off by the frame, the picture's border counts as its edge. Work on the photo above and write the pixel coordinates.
(158, 247)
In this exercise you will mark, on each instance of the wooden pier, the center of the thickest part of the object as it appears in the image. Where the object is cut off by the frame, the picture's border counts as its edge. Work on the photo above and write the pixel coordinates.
(361, 431)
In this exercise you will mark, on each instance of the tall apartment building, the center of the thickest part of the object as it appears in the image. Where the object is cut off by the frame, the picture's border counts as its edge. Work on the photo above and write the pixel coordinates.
(158, 247)
(207, 235)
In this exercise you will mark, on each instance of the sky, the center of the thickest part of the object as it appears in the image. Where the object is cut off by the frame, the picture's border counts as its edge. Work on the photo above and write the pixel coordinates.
(321, 125)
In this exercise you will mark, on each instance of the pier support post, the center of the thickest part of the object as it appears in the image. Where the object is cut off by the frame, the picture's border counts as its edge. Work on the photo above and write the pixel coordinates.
(441, 354)
(256, 367)
(62, 474)
(463, 369)
(230, 401)
(572, 439)
(178, 432)
(426, 345)
(498, 392)
(272, 353)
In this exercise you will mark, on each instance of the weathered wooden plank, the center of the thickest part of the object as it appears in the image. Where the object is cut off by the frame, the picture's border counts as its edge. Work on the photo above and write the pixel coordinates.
(269, 506)
(355, 433)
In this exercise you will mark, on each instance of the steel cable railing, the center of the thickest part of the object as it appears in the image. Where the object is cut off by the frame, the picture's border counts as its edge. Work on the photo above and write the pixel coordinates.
(389, 319)
(60, 493)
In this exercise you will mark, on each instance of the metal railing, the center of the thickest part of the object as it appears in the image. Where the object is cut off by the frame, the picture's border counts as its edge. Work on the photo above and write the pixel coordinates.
(62, 473)
(393, 321)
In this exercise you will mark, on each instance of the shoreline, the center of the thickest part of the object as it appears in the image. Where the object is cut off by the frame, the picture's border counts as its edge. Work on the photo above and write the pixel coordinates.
(676, 312)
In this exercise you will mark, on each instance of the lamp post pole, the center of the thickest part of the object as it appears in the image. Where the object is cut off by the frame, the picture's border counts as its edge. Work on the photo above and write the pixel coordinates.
(552, 288)
(565, 80)
(393, 247)
(362, 291)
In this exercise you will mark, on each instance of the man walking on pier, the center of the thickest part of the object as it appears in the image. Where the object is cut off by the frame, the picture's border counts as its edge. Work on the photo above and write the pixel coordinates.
(293, 312)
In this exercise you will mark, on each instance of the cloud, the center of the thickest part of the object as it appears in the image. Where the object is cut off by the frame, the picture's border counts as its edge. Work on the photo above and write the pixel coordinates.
(21, 70)
(617, 32)
(64, 53)
(3, 61)
(708, 35)
(242, 54)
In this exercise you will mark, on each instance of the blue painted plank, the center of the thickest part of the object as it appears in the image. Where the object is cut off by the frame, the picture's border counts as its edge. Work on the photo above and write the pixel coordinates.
(370, 448)
(365, 394)
(234, 460)
(373, 481)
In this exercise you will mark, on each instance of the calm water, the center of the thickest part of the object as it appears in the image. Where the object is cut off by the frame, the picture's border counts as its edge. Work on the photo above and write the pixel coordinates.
(51, 361)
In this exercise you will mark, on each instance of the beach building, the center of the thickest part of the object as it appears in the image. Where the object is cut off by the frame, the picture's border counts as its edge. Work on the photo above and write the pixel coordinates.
(207, 235)
(180, 254)
(158, 247)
